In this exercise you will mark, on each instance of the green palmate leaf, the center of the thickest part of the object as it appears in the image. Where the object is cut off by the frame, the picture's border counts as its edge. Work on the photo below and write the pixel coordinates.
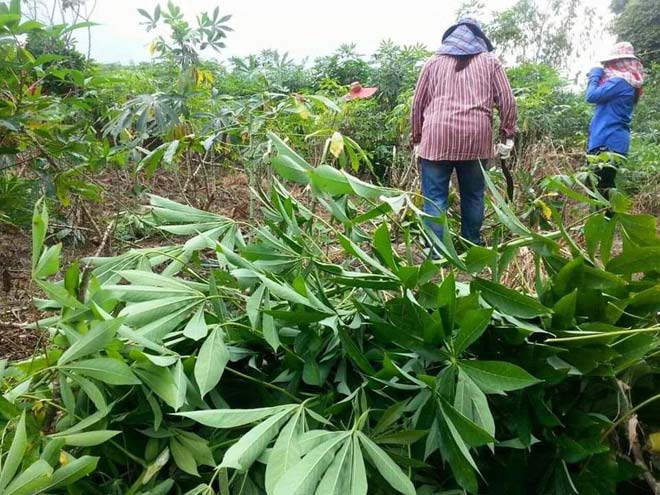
(358, 472)
(39, 227)
(145, 313)
(233, 418)
(386, 466)
(390, 416)
(642, 230)
(447, 300)
(268, 325)
(96, 339)
(52, 450)
(72, 278)
(383, 246)
(168, 211)
(304, 476)
(472, 326)
(595, 230)
(329, 180)
(148, 278)
(211, 362)
(159, 328)
(243, 453)
(290, 169)
(312, 439)
(509, 301)
(336, 480)
(497, 377)
(83, 423)
(459, 459)
(253, 304)
(198, 447)
(72, 472)
(161, 381)
(59, 294)
(107, 370)
(89, 438)
(353, 249)
(196, 328)
(49, 262)
(312, 374)
(181, 383)
(284, 150)
(354, 353)
(406, 437)
(15, 456)
(91, 390)
(564, 311)
(33, 480)
(479, 258)
(183, 457)
(286, 452)
(286, 293)
(470, 432)
(471, 402)
(636, 260)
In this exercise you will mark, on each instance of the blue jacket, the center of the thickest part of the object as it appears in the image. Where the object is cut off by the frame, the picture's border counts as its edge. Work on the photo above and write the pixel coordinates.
(610, 125)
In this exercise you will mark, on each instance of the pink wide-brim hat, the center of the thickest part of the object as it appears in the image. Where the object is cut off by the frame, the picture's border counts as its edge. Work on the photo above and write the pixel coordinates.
(620, 51)
(357, 91)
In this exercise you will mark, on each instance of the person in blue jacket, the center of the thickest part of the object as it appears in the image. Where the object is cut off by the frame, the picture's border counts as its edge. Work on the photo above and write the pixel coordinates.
(614, 88)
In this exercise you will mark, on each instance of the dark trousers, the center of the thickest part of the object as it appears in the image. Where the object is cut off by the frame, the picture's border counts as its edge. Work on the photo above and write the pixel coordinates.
(471, 184)
(605, 173)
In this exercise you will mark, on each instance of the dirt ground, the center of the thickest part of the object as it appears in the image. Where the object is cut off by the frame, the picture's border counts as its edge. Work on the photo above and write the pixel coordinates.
(88, 222)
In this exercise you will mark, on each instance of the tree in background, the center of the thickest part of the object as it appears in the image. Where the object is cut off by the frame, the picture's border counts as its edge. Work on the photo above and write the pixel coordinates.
(62, 13)
(638, 21)
(550, 32)
(396, 69)
(53, 42)
(345, 65)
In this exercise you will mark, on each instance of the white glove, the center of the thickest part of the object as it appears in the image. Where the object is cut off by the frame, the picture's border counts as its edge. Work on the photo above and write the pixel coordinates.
(504, 149)
(416, 151)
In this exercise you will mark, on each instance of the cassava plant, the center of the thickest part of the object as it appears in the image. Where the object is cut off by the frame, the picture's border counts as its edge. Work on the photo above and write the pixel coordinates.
(318, 354)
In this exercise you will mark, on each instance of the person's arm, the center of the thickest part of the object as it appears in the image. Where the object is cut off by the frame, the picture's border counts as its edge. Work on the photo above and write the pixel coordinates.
(505, 103)
(611, 89)
(419, 104)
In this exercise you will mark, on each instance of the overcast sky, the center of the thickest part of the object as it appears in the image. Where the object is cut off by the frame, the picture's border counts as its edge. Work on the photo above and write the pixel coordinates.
(300, 27)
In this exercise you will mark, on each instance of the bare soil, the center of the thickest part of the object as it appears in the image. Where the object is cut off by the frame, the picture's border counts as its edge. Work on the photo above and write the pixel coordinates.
(89, 221)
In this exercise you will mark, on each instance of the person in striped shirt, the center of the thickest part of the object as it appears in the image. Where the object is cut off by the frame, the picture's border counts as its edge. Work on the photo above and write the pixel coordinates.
(452, 122)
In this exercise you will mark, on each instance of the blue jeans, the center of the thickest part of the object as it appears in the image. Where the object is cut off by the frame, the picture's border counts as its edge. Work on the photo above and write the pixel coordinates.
(471, 184)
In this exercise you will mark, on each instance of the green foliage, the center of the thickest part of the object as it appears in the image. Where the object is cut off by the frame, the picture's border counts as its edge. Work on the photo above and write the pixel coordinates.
(537, 32)
(345, 66)
(547, 109)
(637, 22)
(396, 69)
(312, 354)
(17, 196)
(51, 42)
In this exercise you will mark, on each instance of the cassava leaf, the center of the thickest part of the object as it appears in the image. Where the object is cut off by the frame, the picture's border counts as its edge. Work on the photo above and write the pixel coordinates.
(386, 466)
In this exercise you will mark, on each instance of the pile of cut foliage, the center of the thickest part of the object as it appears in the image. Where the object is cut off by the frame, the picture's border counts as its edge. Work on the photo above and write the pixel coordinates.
(312, 354)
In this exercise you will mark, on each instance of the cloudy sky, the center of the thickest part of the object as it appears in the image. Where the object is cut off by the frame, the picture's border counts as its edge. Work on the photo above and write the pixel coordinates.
(300, 27)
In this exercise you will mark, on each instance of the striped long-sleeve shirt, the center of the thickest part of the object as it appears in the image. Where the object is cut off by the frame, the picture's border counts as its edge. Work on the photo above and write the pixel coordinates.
(452, 112)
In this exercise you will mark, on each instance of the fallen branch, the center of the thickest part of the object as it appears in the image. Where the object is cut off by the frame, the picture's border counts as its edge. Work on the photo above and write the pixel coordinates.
(12, 324)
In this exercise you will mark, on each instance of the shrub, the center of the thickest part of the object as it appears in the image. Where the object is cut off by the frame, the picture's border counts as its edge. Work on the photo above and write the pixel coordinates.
(313, 354)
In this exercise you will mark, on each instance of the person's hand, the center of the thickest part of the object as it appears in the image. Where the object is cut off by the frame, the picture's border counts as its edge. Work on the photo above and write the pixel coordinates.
(596, 73)
(416, 151)
(504, 149)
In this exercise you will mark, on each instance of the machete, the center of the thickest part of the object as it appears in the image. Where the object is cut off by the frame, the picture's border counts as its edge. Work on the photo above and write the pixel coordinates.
(508, 177)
